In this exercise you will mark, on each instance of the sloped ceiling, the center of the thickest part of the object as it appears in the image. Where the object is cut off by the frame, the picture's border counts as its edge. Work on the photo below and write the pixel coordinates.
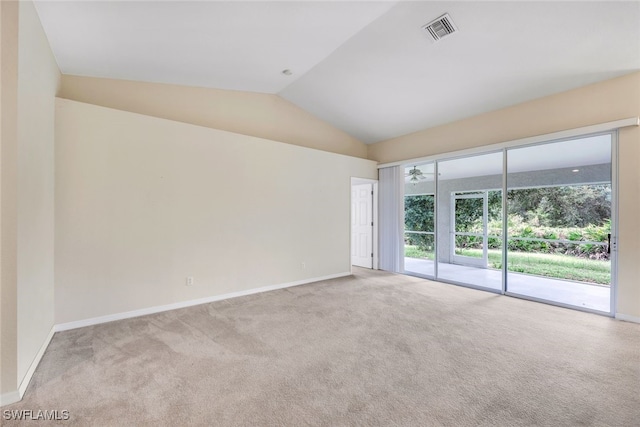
(365, 67)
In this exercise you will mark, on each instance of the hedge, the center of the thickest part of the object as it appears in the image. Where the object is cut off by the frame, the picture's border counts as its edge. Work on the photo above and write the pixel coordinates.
(519, 228)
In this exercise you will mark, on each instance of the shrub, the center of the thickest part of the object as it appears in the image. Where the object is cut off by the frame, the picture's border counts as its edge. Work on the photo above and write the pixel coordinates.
(594, 233)
(519, 227)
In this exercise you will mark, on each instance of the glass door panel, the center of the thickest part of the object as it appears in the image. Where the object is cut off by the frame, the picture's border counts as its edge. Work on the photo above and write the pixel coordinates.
(469, 199)
(419, 220)
(559, 222)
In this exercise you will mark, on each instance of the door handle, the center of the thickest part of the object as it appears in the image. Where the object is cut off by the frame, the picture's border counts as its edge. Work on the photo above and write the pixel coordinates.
(609, 243)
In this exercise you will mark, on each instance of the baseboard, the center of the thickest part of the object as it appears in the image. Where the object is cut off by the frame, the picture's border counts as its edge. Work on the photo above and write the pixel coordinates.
(627, 318)
(16, 395)
(157, 309)
(9, 398)
(34, 364)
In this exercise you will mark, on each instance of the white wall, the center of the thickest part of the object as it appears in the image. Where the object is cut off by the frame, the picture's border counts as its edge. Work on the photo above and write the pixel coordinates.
(38, 79)
(8, 199)
(144, 202)
(30, 79)
(248, 113)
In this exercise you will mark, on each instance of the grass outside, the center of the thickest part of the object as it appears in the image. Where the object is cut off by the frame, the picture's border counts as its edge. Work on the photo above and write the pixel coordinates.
(549, 265)
(411, 251)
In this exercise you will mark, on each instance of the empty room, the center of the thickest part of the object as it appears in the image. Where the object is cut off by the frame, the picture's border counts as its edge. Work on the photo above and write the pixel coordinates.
(256, 213)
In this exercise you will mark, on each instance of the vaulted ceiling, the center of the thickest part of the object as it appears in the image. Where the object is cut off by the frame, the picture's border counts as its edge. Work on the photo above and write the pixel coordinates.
(367, 67)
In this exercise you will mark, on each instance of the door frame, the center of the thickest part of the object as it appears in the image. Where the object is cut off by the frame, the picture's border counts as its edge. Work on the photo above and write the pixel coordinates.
(359, 181)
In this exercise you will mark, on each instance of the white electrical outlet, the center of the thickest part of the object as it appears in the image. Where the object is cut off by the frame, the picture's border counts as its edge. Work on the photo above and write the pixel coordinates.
(189, 280)
(304, 265)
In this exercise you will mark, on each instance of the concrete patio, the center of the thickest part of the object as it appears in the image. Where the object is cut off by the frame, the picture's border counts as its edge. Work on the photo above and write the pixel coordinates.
(585, 295)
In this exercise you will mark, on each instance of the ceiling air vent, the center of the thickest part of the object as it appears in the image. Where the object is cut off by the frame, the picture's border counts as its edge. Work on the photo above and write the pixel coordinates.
(440, 27)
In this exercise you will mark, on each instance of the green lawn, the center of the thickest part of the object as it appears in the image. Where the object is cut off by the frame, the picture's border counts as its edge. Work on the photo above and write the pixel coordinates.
(415, 252)
(549, 265)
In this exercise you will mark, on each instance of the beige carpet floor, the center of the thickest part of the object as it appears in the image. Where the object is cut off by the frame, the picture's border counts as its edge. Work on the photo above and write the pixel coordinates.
(373, 349)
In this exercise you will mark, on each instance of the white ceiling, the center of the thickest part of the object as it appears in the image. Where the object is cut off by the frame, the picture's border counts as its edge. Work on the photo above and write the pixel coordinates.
(365, 67)
(234, 45)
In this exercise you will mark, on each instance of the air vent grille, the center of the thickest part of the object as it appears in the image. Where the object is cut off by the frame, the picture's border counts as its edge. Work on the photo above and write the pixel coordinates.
(440, 27)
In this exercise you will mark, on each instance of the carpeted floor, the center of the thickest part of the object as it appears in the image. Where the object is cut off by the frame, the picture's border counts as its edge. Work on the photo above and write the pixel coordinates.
(371, 349)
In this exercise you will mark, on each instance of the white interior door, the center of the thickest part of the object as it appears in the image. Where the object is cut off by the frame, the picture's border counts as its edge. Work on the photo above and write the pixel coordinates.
(362, 225)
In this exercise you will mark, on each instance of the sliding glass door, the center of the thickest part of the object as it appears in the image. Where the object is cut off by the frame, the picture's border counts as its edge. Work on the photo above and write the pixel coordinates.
(419, 220)
(559, 222)
(558, 214)
(469, 220)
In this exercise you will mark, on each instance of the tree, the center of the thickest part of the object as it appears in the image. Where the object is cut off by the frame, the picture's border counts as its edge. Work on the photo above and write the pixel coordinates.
(419, 216)
(419, 213)
(567, 206)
